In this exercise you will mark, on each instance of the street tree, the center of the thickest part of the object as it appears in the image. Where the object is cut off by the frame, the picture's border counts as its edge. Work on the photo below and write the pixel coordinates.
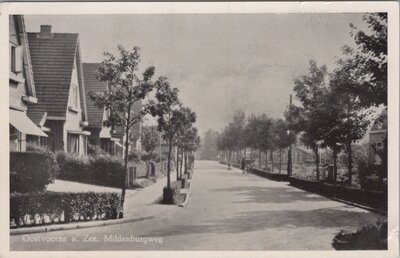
(209, 148)
(251, 134)
(264, 135)
(171, 116)
(280, 137)
(311, 90)
(352, 119)
(150, 140)
(369, 60)
(127, 87)
(236, 131)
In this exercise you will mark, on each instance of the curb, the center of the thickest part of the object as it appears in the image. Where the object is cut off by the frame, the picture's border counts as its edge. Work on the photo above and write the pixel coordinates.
(22, 231)
(378, 211)
(186, 200)
(187, 191)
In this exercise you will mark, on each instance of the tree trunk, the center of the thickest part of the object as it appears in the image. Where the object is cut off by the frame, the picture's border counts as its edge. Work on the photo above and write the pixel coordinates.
(280, 161)
(266, 159)
(259, 158)
(272, 160)
(123, 192)
(177, 164)
(289, 161)
(334, 165)
(317, 161)
(185, 156)
(350, 163)
(169, 164)
(181, 168)
(251, 155)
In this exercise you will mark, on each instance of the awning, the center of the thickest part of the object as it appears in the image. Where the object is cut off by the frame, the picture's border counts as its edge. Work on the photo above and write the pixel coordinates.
(78, 132)
(22, 123)
(105, 132)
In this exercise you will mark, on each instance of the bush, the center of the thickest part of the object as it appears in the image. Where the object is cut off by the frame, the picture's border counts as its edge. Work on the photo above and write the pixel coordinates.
(63, 206)
(171, 195)
(104, 169)
(369, 178)
(72, 167)
(94, 150)
(31, 171)
(370, 237)
(158, 159)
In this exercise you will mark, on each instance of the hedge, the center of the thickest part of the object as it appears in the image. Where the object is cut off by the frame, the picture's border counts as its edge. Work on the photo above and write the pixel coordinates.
(31, 171)
(171, 195)
(374, 199)
(61, 207)
(104, 170)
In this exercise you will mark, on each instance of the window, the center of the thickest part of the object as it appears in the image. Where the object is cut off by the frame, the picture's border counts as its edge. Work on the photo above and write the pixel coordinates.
(15, 139)
(16, 59)
(74, 96)
(73, 143)
(12, 59)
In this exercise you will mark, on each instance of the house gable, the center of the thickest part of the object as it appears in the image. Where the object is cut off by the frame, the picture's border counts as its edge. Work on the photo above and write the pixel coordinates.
(53, 56)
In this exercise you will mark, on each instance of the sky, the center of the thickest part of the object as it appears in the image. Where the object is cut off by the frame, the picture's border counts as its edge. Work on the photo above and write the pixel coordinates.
(219, 62)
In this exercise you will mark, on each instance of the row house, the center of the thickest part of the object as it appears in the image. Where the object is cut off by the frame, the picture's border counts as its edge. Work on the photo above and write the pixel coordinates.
(61, 109)
(377, 136)
(49, 101)
(111, 140)
(22, 90)
(100, 135)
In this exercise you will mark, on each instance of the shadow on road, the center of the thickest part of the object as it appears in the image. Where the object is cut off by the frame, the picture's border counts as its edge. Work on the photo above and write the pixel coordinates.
(272, 194)
(286, 219)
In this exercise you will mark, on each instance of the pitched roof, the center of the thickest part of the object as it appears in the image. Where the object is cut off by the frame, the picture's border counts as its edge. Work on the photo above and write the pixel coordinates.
(37, 117)
(52, 62)
(380, 122)
(95, 114)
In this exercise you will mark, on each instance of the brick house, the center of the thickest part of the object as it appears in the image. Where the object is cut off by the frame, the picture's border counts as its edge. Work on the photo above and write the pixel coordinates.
(377, 135)
(22, 90)
(57, 67)
(102, 136)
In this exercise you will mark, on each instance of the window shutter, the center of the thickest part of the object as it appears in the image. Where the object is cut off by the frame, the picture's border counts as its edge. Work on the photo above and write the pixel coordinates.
(19, 59)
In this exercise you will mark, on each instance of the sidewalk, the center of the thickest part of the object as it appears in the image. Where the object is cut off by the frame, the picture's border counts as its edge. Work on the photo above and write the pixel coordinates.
(140, 204)
(143, 203)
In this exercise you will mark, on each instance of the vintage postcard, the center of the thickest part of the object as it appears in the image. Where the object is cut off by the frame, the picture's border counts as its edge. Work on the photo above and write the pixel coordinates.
(210, 128)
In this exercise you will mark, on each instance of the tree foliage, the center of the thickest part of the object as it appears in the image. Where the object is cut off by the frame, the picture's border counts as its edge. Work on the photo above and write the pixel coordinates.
(126, 87)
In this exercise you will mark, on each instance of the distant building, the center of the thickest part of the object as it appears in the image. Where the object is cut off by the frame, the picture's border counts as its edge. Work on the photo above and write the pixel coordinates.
(22, 91)
(61, 109)
(377, 135)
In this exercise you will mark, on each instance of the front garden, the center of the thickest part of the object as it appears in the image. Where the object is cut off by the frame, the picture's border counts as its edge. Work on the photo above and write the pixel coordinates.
(31, 171)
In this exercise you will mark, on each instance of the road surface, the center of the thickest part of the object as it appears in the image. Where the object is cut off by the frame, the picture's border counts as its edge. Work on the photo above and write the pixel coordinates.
(227, 211)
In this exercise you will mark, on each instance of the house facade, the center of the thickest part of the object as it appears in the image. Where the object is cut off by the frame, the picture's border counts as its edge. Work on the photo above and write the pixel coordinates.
(22, 91)
(100, 135)
(377, 135)
(57, 67)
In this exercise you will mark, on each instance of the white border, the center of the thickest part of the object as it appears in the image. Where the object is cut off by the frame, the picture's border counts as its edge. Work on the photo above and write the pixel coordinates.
(226, 7)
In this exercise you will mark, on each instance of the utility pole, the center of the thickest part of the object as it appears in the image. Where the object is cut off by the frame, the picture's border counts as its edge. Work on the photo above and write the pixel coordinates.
(289, 165)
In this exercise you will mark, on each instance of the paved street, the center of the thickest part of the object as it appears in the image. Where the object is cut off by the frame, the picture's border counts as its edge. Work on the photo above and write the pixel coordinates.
(228, 210)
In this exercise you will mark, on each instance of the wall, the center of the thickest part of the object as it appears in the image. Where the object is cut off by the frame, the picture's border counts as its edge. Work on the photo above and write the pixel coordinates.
(73, 118)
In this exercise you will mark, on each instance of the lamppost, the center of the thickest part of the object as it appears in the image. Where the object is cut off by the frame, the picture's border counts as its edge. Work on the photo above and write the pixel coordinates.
(289, 164)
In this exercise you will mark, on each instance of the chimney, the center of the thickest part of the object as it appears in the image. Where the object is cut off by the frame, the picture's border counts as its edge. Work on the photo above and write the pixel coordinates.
(45, 31)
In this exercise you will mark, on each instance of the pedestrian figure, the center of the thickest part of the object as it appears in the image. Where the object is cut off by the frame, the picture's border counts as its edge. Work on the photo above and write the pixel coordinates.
(243, 165)
(229, 165)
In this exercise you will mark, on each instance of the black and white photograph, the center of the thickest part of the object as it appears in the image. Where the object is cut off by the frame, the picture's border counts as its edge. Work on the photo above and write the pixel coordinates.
(201, 127)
